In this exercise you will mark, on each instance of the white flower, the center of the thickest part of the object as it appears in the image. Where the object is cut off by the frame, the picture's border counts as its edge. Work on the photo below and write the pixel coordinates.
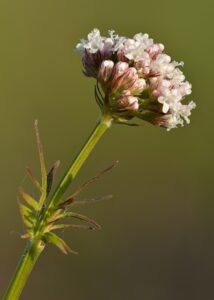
(161, 65)
(93, 44)
(143, 64)
(117, 40)
(134, 49)
(155, 49)
(185, 110)
(96, 42)
(169, 100)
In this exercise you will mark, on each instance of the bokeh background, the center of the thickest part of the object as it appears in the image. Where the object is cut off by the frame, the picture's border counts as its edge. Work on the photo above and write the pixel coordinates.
(157, 241)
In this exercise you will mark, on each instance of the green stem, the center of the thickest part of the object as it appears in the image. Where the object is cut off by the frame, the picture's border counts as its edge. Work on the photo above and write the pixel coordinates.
(23, 270)
(97, 133)
(34, 248)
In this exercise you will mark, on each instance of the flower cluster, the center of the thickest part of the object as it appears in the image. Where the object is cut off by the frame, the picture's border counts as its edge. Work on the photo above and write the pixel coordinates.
(137, 79)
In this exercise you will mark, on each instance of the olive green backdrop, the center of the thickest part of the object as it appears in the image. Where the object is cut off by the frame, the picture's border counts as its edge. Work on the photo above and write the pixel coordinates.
(157, 241)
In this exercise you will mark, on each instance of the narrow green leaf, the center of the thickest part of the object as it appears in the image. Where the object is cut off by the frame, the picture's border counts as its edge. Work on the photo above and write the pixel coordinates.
(60, 226)
(72, 201)
(57, 241)
(77, 226)
(67, 202)
(56, 215)
(30, 201)
(33, 179)
(27, 215)
(50, 176)
(26, 235)
(41, 157)
(82, 218)
(96, 177)
(92, 200)
(53, 226)
(74, 226)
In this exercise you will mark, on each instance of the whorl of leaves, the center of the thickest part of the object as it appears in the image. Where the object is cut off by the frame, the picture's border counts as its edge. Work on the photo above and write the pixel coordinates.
(41, 221)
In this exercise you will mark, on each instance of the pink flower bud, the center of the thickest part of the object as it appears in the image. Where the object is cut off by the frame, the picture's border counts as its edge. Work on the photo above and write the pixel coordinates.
(128, 102)
(138, 87)
(125, 81)
(106, 70)
(163, 120)
(120, 69)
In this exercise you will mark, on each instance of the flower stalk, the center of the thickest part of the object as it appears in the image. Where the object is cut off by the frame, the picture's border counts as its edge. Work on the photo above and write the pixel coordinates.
(36, 244)
(99, 130)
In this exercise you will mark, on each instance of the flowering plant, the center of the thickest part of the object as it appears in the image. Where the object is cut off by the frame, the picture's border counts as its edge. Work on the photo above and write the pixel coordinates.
(134, 79)
(137, 79)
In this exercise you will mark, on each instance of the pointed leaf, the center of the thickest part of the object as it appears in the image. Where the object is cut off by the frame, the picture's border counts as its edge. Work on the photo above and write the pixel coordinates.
(96, 177)
(26, 235)
(82, 218)
(56, 215)
(53, 226)
(33, 179)
(98, 97)
(60, 226)
(92, 200)
(63, 226)
(27, 215)
(77, 226)
(41, 157)
(30, 201)
(72, 201)
(57, 241)
(67, 202)
(50, 176)
(80, 226)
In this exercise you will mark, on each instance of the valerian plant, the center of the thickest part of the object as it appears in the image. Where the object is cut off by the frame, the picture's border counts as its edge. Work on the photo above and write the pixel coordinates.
(135, 80)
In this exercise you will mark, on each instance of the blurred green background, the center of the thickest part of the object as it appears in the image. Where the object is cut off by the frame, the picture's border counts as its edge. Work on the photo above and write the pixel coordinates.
(157, 241)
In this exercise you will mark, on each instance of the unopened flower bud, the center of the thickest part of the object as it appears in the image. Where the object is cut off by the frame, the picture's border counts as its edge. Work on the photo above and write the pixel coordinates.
(106, 70)
(165, 121)
(125, 81)
(120, 69)
(128, 102)
(138, 87)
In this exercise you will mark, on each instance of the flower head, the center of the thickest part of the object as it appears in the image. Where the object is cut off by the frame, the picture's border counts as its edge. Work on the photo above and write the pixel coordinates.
(137, 79)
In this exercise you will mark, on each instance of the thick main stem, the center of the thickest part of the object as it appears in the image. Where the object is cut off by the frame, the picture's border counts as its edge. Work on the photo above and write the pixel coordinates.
(34, 248)
(23, 270)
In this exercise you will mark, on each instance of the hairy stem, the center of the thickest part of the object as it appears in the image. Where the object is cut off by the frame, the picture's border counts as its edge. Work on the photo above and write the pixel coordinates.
(35, 247)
